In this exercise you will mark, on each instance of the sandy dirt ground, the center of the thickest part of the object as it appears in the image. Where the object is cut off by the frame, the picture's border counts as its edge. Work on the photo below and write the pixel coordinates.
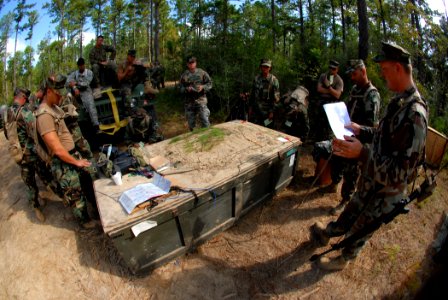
(264, 256)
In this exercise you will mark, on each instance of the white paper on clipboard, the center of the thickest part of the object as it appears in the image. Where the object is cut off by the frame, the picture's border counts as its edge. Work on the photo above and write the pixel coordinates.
(338, 117)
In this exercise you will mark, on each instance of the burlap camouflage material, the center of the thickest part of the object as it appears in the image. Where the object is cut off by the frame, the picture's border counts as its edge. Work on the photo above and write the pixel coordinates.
(264, 97)
(195, 100)
(388, 164)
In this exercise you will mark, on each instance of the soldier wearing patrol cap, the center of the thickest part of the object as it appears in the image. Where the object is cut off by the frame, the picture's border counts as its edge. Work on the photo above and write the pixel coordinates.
(330, 87)
(388, 158)
(363, 107)
(22, 146)
(194, 84)
(265, 96)
(65, 160)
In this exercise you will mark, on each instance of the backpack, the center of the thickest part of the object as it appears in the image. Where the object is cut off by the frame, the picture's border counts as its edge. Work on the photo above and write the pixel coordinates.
(14, 148)
(39, 144)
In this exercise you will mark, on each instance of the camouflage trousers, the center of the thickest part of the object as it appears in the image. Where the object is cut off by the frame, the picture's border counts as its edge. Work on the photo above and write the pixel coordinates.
(347, 169)
(194, 110)
(358, 213)
(89, 104)
(68, 178)
(28, 173)
(30, 166)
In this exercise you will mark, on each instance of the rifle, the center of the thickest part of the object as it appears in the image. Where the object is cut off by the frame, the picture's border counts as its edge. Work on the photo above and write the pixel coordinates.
(420, 193)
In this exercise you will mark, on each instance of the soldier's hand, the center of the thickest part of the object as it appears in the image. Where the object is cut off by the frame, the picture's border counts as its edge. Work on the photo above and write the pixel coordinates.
(356, 128)
(271, 116)
(200, 87)
(350, 147)
(83, 163)
(72, 83)
(77, 92)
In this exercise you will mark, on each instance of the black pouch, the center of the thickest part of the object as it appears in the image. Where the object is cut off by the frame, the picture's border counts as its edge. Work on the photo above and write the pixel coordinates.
(125, 162)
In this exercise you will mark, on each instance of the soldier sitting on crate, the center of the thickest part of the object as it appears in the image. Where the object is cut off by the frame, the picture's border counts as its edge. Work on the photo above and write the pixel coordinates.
(104, 70)
(130, 73)
(79, 82)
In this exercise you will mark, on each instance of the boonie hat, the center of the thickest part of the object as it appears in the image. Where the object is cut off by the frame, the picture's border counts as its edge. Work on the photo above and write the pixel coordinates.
(132, 52)
(354, 64)
(266, 62)
(333, 64)
(393, 52)
(57, 82)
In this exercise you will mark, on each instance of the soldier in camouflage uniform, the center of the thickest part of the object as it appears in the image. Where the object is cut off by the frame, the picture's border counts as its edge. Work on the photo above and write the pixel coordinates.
(20, 112)
(330, 87)
(264, 97)
(387, 164)
(98, 58)
(194, 84)
(78, 82)
(363, 107)
(66, 161)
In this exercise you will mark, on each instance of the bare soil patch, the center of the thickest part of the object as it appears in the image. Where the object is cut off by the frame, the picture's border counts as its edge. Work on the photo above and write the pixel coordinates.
(264, 256)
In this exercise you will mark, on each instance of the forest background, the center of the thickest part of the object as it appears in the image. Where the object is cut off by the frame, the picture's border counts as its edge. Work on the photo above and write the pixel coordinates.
(229, 38)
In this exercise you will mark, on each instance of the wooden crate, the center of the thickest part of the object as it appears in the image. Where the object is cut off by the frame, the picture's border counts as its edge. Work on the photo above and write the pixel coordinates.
(231, 185)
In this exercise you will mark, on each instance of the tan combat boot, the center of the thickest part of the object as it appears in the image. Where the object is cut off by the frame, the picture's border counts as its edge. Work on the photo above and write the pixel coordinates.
(319, 234)
(332, 264)
(90, 225)
(39, 215)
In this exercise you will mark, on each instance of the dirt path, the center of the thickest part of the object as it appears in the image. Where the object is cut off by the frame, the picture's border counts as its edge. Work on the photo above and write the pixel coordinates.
(264, 256)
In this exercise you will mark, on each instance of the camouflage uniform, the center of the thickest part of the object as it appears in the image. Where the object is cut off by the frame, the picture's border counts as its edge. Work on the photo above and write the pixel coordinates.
(363, 107)
(386, 165)
(196, 102)
(296, 121)
(264, 98)
(28, 163)
(99, 54)
(83, 81)
(324, 131)
(67, 177)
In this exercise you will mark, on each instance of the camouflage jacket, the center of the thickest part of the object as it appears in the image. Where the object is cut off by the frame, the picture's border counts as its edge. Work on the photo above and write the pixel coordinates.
(265, 92)
(364, 105)
(198, 77)
(398, 146)
(23, 117)
(97, 55)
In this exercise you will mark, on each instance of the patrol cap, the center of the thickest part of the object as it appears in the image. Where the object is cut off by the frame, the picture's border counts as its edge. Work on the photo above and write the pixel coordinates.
(354, 64)
(24, 91)
(333, 64)
(266, 62)
(191, 59)
(132, 52)
(56, 82)
(393, 52)
(81, 61)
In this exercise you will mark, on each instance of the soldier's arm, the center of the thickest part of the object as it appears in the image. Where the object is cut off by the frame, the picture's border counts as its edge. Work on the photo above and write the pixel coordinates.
(372, 109)
(276, 90)
(53, 143)
(112, 51)
(336, 92)
(183, 84)
(408, 144)
(92, 58)
(206, 82)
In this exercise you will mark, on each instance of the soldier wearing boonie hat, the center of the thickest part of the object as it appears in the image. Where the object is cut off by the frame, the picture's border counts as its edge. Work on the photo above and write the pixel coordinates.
(265, 96)
(389, 157)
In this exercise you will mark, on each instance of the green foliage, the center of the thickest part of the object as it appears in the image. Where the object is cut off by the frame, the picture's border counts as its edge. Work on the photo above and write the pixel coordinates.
(202, 139)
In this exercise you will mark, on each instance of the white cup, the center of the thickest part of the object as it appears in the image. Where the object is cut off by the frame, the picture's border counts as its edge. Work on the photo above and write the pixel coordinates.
(117, 178)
